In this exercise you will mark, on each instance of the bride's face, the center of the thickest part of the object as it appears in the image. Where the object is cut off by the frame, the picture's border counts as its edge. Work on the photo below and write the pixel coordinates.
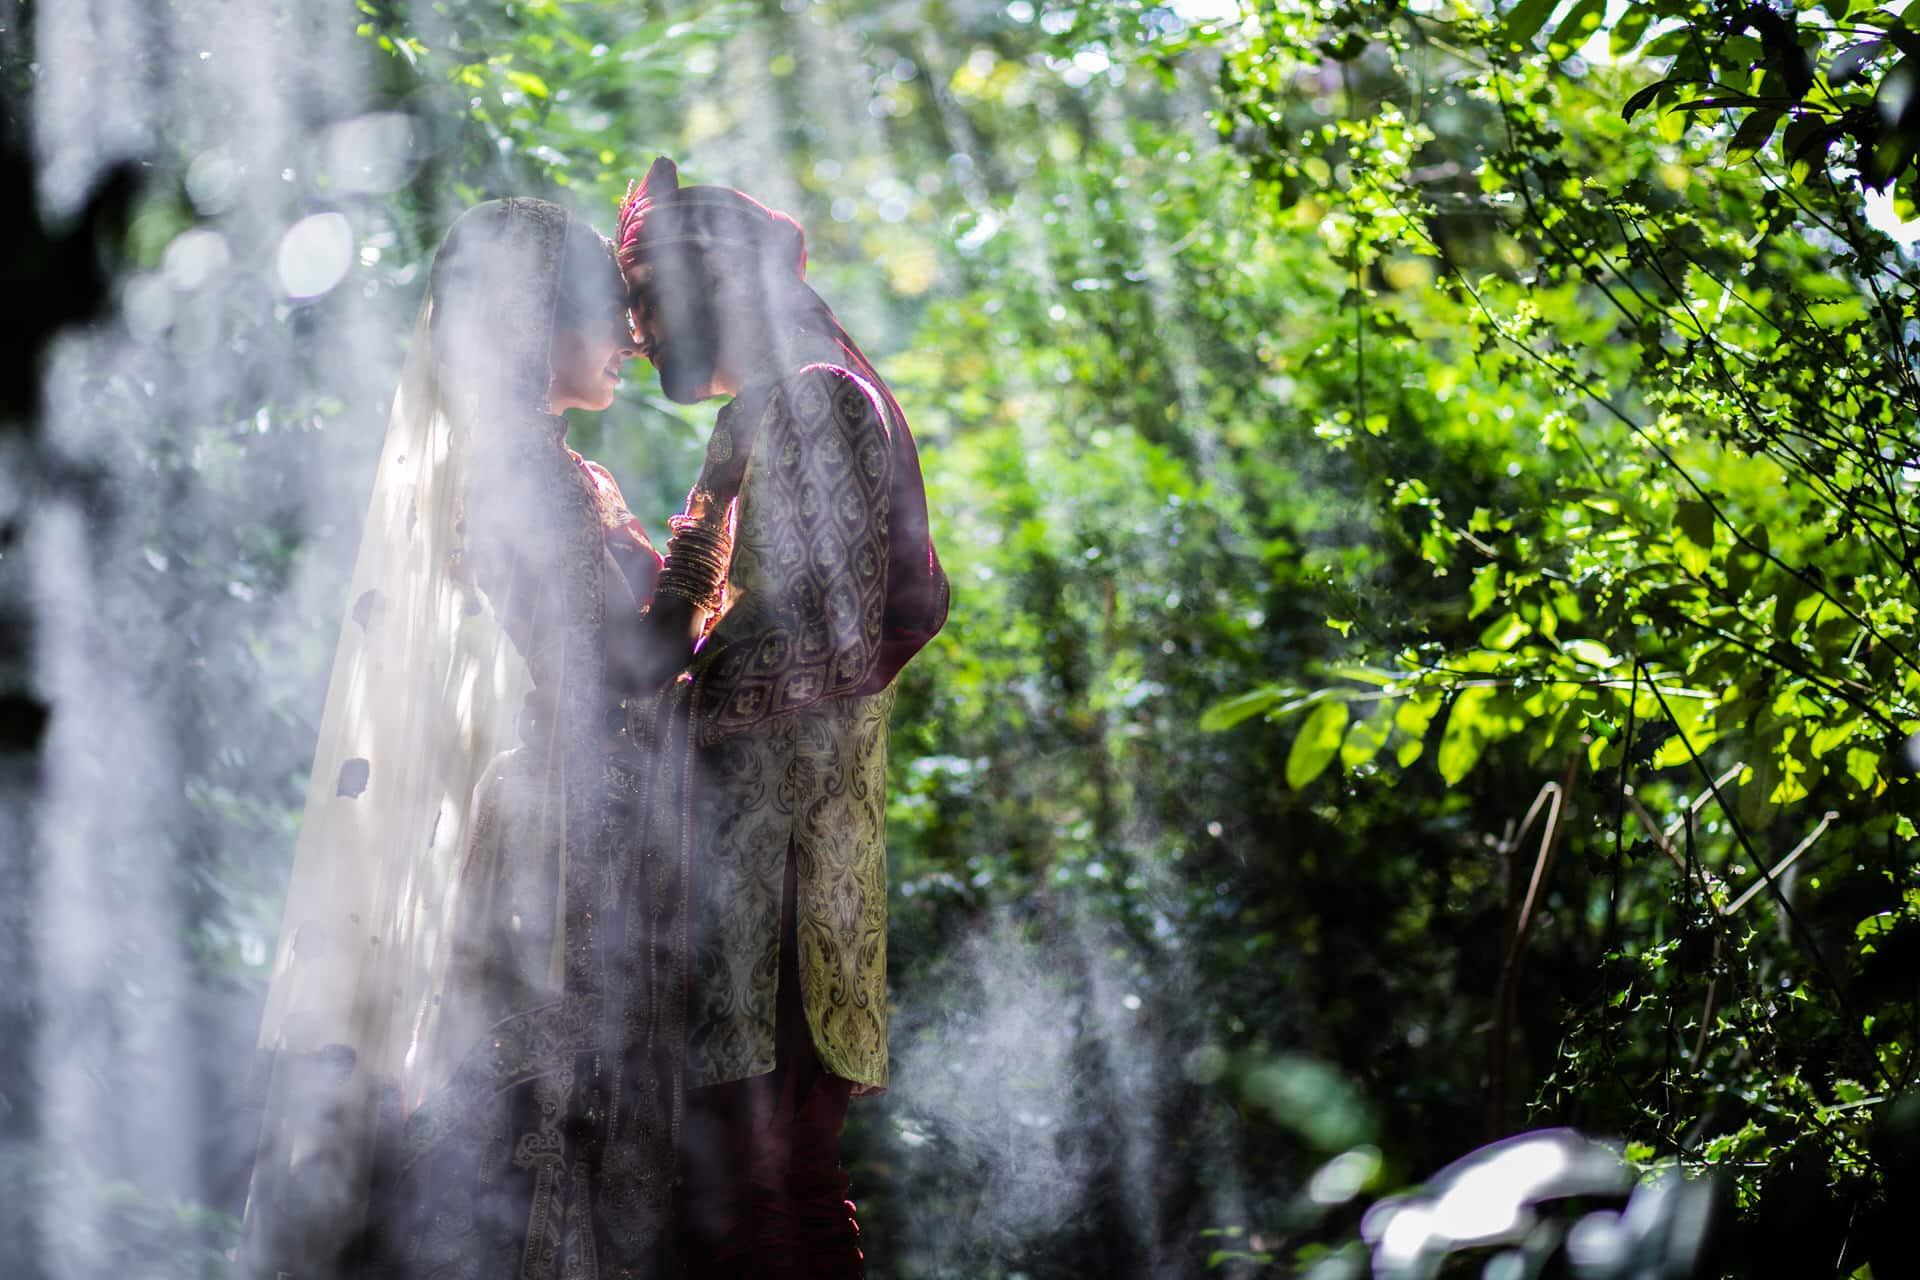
(587, 359)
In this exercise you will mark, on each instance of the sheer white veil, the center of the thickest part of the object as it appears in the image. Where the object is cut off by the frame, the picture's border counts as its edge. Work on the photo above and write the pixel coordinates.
(425, 690)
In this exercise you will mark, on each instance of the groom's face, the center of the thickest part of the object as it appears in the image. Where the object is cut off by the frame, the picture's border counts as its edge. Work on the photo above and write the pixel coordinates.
(677, 321)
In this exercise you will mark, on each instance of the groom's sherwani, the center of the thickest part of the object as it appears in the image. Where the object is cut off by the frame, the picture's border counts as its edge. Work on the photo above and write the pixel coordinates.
(793, 689)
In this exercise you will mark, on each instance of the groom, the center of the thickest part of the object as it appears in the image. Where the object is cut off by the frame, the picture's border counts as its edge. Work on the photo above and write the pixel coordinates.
(798, 581)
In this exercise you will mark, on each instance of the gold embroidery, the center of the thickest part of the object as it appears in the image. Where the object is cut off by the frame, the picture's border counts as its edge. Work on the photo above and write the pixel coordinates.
(807, 584)
(790, 757)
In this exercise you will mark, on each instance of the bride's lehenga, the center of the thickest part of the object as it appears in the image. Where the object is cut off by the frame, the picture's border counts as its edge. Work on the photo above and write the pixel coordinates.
(476, 1025)
(549, 1145)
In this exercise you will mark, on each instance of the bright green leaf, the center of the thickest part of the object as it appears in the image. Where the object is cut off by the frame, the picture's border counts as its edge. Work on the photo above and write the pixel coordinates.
(1590, 653)
(1863, 767)
(1315, 746)
(528, 83)
(1465, 736)
(1243, 706)
(1504, 632)
(1366, 736)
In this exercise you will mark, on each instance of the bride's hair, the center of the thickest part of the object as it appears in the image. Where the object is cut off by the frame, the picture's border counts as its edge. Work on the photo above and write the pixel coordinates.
(591, 292)
(489, 272)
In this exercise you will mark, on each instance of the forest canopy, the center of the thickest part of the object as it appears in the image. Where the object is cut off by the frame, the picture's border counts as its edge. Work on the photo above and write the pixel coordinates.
(1429, 491)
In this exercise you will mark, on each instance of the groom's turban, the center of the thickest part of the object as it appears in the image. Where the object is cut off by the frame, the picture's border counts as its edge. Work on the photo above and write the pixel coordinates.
(661, 212)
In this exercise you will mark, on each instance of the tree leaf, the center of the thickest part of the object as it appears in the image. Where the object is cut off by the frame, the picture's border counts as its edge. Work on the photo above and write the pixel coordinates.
(1785, 604)
(1486, 588)
(1464, 737)
(1897, 100)
(1731, 100)
(1629, 29)
(1673, 41)
(1754, 803)
(1581, 22)
(1229, 712)
(1753, 133)
(1411, 719)
(1804, 145)
(1525, 19)
(1366, 736)
(1850, 62)
(1744, 562)
(1694, 521)
(1863, 767)
(1642, 99)
(1504, 632)
(1316, 744)
(528, 83)
(1590, 653)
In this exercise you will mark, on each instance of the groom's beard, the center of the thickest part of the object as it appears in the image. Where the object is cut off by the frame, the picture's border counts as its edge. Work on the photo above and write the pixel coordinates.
(686, 360)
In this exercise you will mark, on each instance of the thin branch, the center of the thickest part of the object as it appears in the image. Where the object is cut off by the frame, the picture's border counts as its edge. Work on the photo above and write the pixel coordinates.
(1779, 868)
(1620, 814)
(1706, 498)
(1794, 921)
(1506, 991)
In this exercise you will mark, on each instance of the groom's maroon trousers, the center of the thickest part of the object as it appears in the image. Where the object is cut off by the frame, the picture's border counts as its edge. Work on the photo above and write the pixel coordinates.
(764, 1195)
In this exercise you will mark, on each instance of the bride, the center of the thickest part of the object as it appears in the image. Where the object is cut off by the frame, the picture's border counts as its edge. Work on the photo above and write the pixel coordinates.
(478, 996)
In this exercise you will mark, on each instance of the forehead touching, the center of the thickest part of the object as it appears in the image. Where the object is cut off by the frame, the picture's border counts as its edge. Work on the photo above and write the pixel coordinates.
(650, 269)
(590, 293)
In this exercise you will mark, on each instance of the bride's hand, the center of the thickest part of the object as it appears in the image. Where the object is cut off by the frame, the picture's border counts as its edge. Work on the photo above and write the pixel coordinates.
(661, 645)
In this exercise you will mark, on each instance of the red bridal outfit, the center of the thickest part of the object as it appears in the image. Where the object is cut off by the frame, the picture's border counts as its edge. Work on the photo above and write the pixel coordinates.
(828, 585)
(476, 1025)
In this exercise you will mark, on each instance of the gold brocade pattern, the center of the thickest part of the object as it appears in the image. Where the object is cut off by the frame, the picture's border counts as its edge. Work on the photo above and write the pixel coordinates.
(807, 585)
(789, 755)
(818, 779)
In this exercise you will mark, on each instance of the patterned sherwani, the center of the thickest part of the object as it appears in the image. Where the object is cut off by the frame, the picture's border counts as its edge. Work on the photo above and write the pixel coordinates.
(792, 741)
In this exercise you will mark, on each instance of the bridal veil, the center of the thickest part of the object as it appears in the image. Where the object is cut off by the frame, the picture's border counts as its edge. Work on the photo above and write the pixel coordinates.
(426, 689)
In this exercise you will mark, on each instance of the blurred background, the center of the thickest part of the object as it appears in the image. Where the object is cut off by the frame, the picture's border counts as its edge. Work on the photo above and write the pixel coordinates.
(1428, 489)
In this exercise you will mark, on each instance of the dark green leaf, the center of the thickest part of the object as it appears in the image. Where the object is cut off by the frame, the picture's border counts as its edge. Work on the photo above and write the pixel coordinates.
(1642, 98)
(1851, 62)
(1694, 521)
(1525, 19)
(1580, 23)
(1732, 100)
(1628, 31)
(1753, 133)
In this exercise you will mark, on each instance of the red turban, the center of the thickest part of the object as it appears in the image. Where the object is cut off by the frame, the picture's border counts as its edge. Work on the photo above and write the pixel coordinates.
(661, 212)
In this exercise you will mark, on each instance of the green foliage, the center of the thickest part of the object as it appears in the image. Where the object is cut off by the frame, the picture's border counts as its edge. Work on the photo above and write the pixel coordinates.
(1835, 74)
(1349, 430)
(1651, 425)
